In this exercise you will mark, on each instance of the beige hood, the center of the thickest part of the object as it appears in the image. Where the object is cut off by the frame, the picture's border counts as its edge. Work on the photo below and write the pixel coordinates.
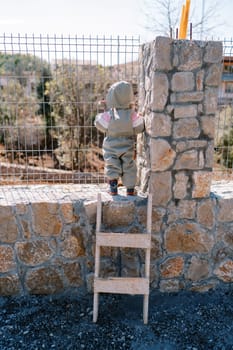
(120, 95)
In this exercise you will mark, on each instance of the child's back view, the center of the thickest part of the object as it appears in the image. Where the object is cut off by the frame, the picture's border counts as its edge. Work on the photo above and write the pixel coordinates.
(120, 123)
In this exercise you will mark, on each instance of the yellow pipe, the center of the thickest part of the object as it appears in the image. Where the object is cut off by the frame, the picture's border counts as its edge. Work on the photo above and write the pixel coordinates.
(181, 22)
(187, 7)
(184, 20)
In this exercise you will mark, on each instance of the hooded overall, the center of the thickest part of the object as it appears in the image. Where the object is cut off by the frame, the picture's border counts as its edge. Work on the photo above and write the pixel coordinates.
(121, 124)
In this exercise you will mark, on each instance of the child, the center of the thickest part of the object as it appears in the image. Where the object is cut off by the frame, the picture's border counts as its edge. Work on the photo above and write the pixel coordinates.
(120, 123)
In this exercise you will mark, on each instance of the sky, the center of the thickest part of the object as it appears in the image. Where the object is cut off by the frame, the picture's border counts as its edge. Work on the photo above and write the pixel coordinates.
(91, 17)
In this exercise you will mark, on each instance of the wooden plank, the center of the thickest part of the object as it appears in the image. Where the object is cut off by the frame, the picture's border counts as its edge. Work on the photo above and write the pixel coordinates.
(127, 240)
(122, 285)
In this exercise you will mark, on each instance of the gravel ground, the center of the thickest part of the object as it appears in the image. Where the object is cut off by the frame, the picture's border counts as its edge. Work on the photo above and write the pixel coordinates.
(183, 320)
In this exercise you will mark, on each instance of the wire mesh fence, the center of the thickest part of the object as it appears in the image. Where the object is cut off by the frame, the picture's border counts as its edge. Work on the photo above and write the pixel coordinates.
(223, 156)
(49, 89)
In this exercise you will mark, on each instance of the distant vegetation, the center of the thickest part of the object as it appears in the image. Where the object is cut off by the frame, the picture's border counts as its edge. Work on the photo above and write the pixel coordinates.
(48, 110)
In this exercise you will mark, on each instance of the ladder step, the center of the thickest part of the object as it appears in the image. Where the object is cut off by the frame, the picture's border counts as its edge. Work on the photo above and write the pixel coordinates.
(127, 240)
(122, 285)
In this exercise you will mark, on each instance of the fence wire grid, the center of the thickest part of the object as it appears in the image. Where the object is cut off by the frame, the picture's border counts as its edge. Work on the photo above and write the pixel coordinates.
(223, 155)
(49, 89)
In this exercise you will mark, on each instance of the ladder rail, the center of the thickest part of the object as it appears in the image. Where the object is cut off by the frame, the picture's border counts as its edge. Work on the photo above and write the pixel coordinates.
(97, 258)
(149, 228)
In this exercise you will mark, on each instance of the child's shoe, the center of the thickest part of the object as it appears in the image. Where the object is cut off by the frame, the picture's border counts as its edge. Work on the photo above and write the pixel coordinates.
(131, 192)
(113, 187)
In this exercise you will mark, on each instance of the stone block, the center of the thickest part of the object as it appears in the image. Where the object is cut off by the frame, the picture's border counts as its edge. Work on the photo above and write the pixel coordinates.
(210, 100)
(156, 248)
(117, 214)
(198, 269)
(182, 146)
(21, 208)
(10, 285)
(26, 229)
(225, 271)
(208, 126)
(213, 52)
(221, 252)
(162, 53)
(180, 188)
(33, 253)
(160, 186)
(205, 213)
(109, 268)
(190, 55)
(185, 209)
(201, 184)
(186, 128)
(7, 260)
(90, 209)
(204, 286)
(187, 160)
(213, 75)
(73, 274)
(72, 245)
(172, 267)
(187, 237)
(130, 266)
(160, 125)
(45, 219)
(159, 93)
(90, 282)
(209, 155)
(184, 97)
(8, 225)
(187, 111)
(225, 213)
(68, 214)
(228, 234)
(170, 285)
(162, 155)
(44, 280)
(157, 217)
(182, 81)
(201, 160)
(200, 80)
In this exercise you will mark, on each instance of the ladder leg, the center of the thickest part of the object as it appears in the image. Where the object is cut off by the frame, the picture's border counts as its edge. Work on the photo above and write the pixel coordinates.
(145, 308)
(97, 261)
(95, 307)
(147, 260)
(96, 295)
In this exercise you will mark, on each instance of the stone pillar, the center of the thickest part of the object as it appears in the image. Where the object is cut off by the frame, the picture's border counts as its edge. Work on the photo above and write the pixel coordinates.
(178, 97)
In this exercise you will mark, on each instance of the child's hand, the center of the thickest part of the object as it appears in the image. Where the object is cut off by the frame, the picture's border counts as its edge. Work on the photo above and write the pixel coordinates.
(101, 105)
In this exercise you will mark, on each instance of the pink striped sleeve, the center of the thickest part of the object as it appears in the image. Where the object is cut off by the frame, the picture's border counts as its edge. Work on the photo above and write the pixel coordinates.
(136, 119)
(106, 116)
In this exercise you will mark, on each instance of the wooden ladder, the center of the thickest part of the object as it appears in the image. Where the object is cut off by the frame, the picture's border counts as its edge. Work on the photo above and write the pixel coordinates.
(122, 285)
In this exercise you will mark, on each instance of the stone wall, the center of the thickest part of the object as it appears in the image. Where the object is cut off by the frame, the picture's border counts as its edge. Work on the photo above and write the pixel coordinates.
(178, 96)
(47, 239)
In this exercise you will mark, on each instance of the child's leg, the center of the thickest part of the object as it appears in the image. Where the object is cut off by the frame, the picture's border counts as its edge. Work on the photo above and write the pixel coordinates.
(113, 187)
(129, 170)
(112, 169)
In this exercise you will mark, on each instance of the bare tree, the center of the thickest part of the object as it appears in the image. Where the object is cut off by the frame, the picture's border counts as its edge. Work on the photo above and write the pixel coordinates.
(163, 16)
